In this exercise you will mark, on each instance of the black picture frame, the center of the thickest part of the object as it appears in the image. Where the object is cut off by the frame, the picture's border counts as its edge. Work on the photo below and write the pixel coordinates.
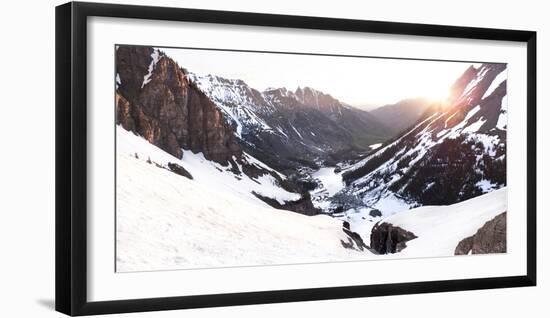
(71, 157)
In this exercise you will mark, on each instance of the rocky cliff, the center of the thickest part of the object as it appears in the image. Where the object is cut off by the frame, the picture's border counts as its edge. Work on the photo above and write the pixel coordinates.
(155, 99)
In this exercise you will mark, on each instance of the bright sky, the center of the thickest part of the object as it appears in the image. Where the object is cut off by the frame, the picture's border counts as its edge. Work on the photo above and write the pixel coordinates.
(362, 82)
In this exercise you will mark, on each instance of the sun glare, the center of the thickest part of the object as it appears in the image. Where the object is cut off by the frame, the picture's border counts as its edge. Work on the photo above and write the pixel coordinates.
(438, 96)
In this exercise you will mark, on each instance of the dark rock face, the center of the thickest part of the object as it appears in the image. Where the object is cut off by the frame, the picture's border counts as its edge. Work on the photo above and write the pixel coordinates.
(355, 241)
(177, 169)
(465, 246)
(167, 110)
(375, 213)
(490, 238)
(386, 238)
(302, 206)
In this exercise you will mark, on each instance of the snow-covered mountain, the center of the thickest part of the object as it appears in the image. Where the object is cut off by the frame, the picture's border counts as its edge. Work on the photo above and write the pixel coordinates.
(156, 100)
(458, 151)
(290, 129)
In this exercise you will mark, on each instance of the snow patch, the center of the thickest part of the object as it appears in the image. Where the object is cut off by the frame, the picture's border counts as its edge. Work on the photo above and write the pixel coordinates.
(473, 83)
(474, 127)
(332, 181)
(486, 185)
(296, 131)
(501, 77)
(375, 146)
(391, 204)
(118, 81)
(155, 56)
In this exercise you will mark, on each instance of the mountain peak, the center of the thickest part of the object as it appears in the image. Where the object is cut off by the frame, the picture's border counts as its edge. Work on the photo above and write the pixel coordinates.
(451, 154)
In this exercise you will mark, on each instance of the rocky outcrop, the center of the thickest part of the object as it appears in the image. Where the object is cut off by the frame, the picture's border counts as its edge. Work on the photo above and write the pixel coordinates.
(302, 205)
(490, 238)
(155, 99)
(177, 169)
(386, 238)
(355, 241)
(375, 213)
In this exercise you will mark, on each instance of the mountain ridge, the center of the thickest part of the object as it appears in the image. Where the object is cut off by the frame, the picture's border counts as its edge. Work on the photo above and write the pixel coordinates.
(155, 99)
(288, 128)
(456, 153)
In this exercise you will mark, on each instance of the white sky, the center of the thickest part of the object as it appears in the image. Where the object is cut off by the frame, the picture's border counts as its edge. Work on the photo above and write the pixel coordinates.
(361, 82)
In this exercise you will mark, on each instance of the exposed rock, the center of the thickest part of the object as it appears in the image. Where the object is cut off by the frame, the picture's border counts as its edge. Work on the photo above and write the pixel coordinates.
(338, 209)
(375, 213)
(346, 225)
(302, 205)
(465, 246)
(490, 238)
(386, 238)
(167, 109)
(177, 169)
(355, 238)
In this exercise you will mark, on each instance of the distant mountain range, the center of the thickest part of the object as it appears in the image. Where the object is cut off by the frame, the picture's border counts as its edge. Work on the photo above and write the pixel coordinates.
(289, 129)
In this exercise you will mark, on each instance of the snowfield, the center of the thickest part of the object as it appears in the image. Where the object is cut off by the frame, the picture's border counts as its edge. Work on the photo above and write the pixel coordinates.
(166, 221)
(441, 228)
(330, 183)
(206, 172)
(331, 180)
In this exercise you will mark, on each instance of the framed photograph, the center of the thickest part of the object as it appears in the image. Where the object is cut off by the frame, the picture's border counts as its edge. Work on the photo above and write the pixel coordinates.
(209, 158)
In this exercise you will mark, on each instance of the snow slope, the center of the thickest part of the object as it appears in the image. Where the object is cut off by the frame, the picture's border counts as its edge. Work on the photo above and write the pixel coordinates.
(330, 183)
(166, 221)
(440, 228)
(206, 172)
